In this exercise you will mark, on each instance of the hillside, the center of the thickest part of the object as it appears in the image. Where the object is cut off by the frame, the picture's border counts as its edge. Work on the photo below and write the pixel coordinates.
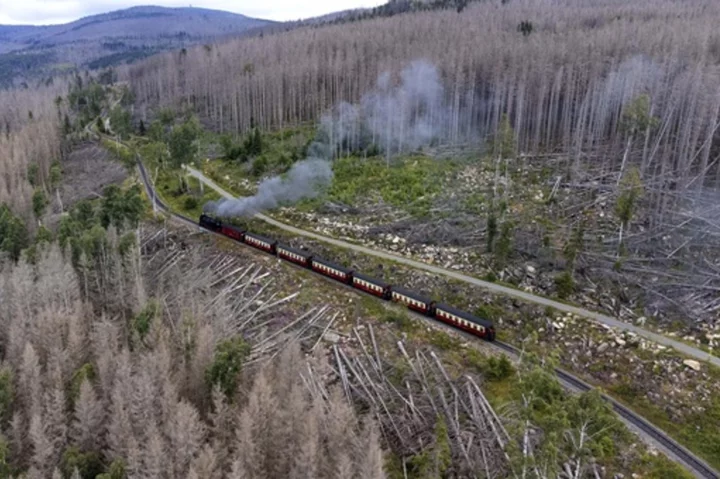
(112, 38)
(594, 132)
(566, 148)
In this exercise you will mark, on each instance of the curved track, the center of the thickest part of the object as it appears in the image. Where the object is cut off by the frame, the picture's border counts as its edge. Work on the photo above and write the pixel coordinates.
(698, 467)
(498, 288)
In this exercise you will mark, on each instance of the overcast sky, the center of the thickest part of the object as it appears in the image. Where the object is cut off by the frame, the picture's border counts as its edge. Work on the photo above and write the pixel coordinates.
(44, 12)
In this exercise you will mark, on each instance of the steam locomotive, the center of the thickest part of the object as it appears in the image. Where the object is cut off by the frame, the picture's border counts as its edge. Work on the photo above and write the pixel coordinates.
(441, 312)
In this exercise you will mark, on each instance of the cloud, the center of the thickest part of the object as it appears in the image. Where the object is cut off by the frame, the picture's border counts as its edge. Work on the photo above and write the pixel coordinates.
(62, 11)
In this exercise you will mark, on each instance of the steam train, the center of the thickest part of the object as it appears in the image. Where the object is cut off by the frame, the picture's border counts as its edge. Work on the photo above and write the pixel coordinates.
(441, 312)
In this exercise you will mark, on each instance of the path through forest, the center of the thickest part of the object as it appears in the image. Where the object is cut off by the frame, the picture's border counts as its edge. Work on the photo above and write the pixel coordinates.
(498, 288)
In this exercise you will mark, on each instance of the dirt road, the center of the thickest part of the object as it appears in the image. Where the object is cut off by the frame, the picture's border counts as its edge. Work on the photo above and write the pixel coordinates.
(683, 348)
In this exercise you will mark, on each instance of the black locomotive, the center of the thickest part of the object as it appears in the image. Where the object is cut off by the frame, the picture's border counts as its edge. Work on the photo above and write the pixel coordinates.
(447, 314)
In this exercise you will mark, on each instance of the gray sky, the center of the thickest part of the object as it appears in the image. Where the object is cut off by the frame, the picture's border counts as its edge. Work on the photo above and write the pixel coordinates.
(45, 12)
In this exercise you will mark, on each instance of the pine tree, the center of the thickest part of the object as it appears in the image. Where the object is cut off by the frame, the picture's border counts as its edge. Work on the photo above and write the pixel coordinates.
(119, 432)
(222, 427)
(305, 460)
(372, 463)
(206, 466)
(30, 386)
(249, 459)
(343, 466)
(631, 189)
(43, 450)
(55, 422)
(155, 453)
(186, 434)
(67, 126)
(88, 416)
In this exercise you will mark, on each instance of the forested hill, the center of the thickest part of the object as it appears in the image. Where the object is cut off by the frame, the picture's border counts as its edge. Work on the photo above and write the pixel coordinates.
(111, 38)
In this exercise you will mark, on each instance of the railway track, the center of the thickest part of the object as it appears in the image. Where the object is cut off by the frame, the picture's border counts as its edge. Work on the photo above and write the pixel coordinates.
(679, 346)
(671, 448)
(699, 467)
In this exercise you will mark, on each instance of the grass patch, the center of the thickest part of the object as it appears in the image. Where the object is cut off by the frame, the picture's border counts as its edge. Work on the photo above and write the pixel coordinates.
(183, 194)
(401, 321)
(699, 432)
(660, 467)
(410, 183)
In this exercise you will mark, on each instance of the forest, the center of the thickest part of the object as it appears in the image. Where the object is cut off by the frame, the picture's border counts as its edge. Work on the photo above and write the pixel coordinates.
(567, 85)
(601, 98)
(132, 348)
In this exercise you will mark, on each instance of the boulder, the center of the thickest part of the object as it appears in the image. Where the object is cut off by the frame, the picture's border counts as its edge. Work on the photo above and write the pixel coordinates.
(331, 337)
(620, 341)
(603, 347)
(692, 364)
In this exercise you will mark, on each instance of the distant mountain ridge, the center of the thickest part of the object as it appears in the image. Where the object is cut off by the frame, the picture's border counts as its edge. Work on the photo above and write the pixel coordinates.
(111, 38)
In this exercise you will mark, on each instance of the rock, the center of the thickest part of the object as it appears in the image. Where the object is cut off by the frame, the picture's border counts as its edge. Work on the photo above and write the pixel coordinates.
(620, 341)
(692, 364)
(396, 240)
(557, 325)
(332, 337)
(603, 347)
(531, 271)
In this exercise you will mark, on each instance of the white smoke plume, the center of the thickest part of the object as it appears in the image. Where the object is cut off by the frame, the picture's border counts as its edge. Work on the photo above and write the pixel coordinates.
(304, 180)
(393, 118)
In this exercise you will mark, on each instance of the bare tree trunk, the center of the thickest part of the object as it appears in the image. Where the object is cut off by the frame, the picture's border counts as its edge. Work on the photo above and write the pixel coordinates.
(625, 157)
